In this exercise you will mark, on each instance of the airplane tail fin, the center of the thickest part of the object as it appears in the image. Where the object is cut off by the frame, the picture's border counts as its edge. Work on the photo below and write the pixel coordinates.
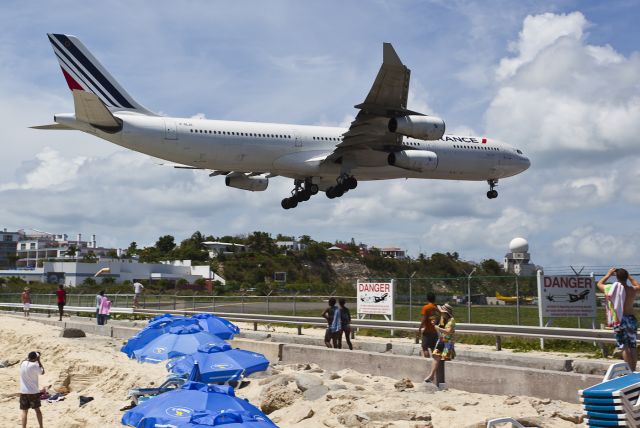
(83, 72)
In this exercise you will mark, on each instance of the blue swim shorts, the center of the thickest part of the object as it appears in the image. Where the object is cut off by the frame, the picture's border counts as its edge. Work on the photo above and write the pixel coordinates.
(626, 332)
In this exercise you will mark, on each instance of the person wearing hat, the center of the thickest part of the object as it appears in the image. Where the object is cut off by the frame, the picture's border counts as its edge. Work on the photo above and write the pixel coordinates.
(30, 369)
(26, 301)
(444, 347)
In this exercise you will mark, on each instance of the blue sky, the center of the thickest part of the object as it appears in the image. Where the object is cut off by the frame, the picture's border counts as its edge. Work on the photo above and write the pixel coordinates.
(556, 79)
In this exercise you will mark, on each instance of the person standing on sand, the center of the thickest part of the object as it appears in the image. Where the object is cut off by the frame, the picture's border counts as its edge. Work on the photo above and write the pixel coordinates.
(98, 300)
(104, 309)
(61, 298)
(328, 314)
(336, 329)
(626, 330)
(345, 319)
(444, 350)
(25, 297)
(427, 331)
(137, 291)
(30, 369)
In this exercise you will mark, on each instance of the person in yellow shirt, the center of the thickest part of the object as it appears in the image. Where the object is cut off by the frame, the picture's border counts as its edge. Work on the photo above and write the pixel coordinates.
(446, 336)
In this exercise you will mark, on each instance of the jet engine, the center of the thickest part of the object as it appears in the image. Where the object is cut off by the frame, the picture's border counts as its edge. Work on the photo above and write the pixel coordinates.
(414, 160)
(244, 182)
(420, 127)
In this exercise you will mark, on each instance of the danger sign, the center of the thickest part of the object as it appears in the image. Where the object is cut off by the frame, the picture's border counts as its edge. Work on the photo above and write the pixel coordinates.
(375, 298)
(567, 296)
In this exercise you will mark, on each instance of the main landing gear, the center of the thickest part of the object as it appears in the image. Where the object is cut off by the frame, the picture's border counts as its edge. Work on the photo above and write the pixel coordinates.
(492, 194)
(302, 191)
(344, 184)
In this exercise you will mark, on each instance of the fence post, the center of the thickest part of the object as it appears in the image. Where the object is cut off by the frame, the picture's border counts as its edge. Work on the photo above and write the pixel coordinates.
(242, 302)
(194, 302)
(268, 295)
(517, 302)
(498, 343)
(214, 303)
(175, 302)
(294, 303)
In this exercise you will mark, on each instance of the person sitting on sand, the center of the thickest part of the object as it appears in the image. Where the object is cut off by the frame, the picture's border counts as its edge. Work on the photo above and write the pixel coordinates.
(26, 301)
(30, 369)
(444, 347)
(328, 314)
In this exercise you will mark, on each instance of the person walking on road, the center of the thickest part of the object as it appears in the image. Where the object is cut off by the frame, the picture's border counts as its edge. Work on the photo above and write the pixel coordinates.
(137, 291)
(61, 298)
(30, 369)
(345, 319)
(626, 326)
(444, 350)
(427, 331)
(25, 298)
(328, 315)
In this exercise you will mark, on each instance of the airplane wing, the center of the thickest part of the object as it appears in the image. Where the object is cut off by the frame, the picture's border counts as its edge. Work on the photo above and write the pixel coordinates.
(386, 99)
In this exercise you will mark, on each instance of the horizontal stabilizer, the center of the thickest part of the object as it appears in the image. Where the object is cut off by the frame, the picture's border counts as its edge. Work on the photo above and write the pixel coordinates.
(90, 109)
(58, 126)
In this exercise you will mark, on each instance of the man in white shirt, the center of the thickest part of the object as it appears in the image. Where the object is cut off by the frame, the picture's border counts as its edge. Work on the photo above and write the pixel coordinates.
(30, 369)
(137, 289)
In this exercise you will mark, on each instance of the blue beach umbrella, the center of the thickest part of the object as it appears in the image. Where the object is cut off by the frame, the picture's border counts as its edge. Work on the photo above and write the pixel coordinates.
(221, 327)
(197, 404)
(180, 340)
(217, 366)
(154, 329)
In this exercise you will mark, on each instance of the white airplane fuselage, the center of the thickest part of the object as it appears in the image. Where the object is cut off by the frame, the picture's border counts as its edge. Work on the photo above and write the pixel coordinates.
(297, 151)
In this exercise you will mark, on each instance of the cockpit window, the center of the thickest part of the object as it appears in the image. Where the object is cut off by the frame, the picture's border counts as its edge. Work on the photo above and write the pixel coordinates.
(519, 151)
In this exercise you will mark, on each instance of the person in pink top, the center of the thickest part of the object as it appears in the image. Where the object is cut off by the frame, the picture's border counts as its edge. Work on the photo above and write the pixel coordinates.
(104, 308)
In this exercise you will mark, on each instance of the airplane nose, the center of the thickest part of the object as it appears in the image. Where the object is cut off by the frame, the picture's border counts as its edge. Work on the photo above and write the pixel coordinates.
(526, 162)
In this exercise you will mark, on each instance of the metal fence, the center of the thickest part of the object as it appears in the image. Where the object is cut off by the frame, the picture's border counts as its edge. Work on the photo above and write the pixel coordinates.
(501, 300)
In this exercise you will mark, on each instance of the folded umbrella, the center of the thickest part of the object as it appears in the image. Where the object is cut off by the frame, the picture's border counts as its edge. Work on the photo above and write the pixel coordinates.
(180, 340)
(197, 404)
(218, 365)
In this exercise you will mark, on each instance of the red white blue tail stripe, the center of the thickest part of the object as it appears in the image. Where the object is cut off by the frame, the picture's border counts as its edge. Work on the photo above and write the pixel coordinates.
(83, 71)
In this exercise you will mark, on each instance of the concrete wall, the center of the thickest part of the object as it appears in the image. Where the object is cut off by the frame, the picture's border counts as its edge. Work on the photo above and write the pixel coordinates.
(466, 376)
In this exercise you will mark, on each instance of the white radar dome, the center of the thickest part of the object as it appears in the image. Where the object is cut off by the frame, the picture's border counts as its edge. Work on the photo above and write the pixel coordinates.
(518, 245)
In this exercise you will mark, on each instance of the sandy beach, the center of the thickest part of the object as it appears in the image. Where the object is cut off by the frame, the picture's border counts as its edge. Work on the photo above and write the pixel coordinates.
(294, 395)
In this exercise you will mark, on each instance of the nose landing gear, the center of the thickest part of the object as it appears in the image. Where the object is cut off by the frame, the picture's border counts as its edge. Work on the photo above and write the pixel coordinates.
(492, 194)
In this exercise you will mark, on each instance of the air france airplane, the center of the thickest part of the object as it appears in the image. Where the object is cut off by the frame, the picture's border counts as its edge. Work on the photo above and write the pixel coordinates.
(385, 141)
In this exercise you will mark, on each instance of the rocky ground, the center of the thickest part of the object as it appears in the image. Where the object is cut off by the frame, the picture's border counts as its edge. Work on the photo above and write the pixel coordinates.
(307, 396)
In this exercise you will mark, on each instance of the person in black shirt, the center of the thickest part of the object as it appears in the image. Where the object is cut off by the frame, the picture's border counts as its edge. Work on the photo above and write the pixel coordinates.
(346, 323)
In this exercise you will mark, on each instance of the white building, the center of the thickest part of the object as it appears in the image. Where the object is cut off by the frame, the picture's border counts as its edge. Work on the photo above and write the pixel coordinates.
(216, 248)
(291, 245)
(34, 248)
(74, 273)
(518, 259)
(393, 253)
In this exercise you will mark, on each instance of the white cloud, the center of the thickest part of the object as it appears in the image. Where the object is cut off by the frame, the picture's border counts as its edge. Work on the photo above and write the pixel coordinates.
(539, 32)
(560, 94)
(592, 246)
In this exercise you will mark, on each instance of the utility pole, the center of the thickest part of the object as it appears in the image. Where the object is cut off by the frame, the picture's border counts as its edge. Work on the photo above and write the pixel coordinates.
(469, 294)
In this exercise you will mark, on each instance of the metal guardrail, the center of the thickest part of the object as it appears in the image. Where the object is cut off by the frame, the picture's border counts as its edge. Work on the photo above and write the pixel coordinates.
(498, 331)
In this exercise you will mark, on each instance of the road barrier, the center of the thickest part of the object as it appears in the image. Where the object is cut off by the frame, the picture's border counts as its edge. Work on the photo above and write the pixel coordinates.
(598, 336)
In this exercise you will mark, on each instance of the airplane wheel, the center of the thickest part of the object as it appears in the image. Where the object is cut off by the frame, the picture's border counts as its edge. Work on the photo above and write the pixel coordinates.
(313, 189)
(330, 192)
(351, 183)
(293, 203)
(338, 191)
(285, 203)
(492, 194)
(306, 195)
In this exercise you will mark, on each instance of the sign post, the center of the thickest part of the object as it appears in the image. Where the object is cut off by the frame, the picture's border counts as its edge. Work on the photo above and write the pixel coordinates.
(565, 296)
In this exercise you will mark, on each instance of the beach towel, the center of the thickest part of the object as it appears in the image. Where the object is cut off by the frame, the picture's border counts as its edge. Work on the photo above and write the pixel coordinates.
(614, 295)
(336, 323)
